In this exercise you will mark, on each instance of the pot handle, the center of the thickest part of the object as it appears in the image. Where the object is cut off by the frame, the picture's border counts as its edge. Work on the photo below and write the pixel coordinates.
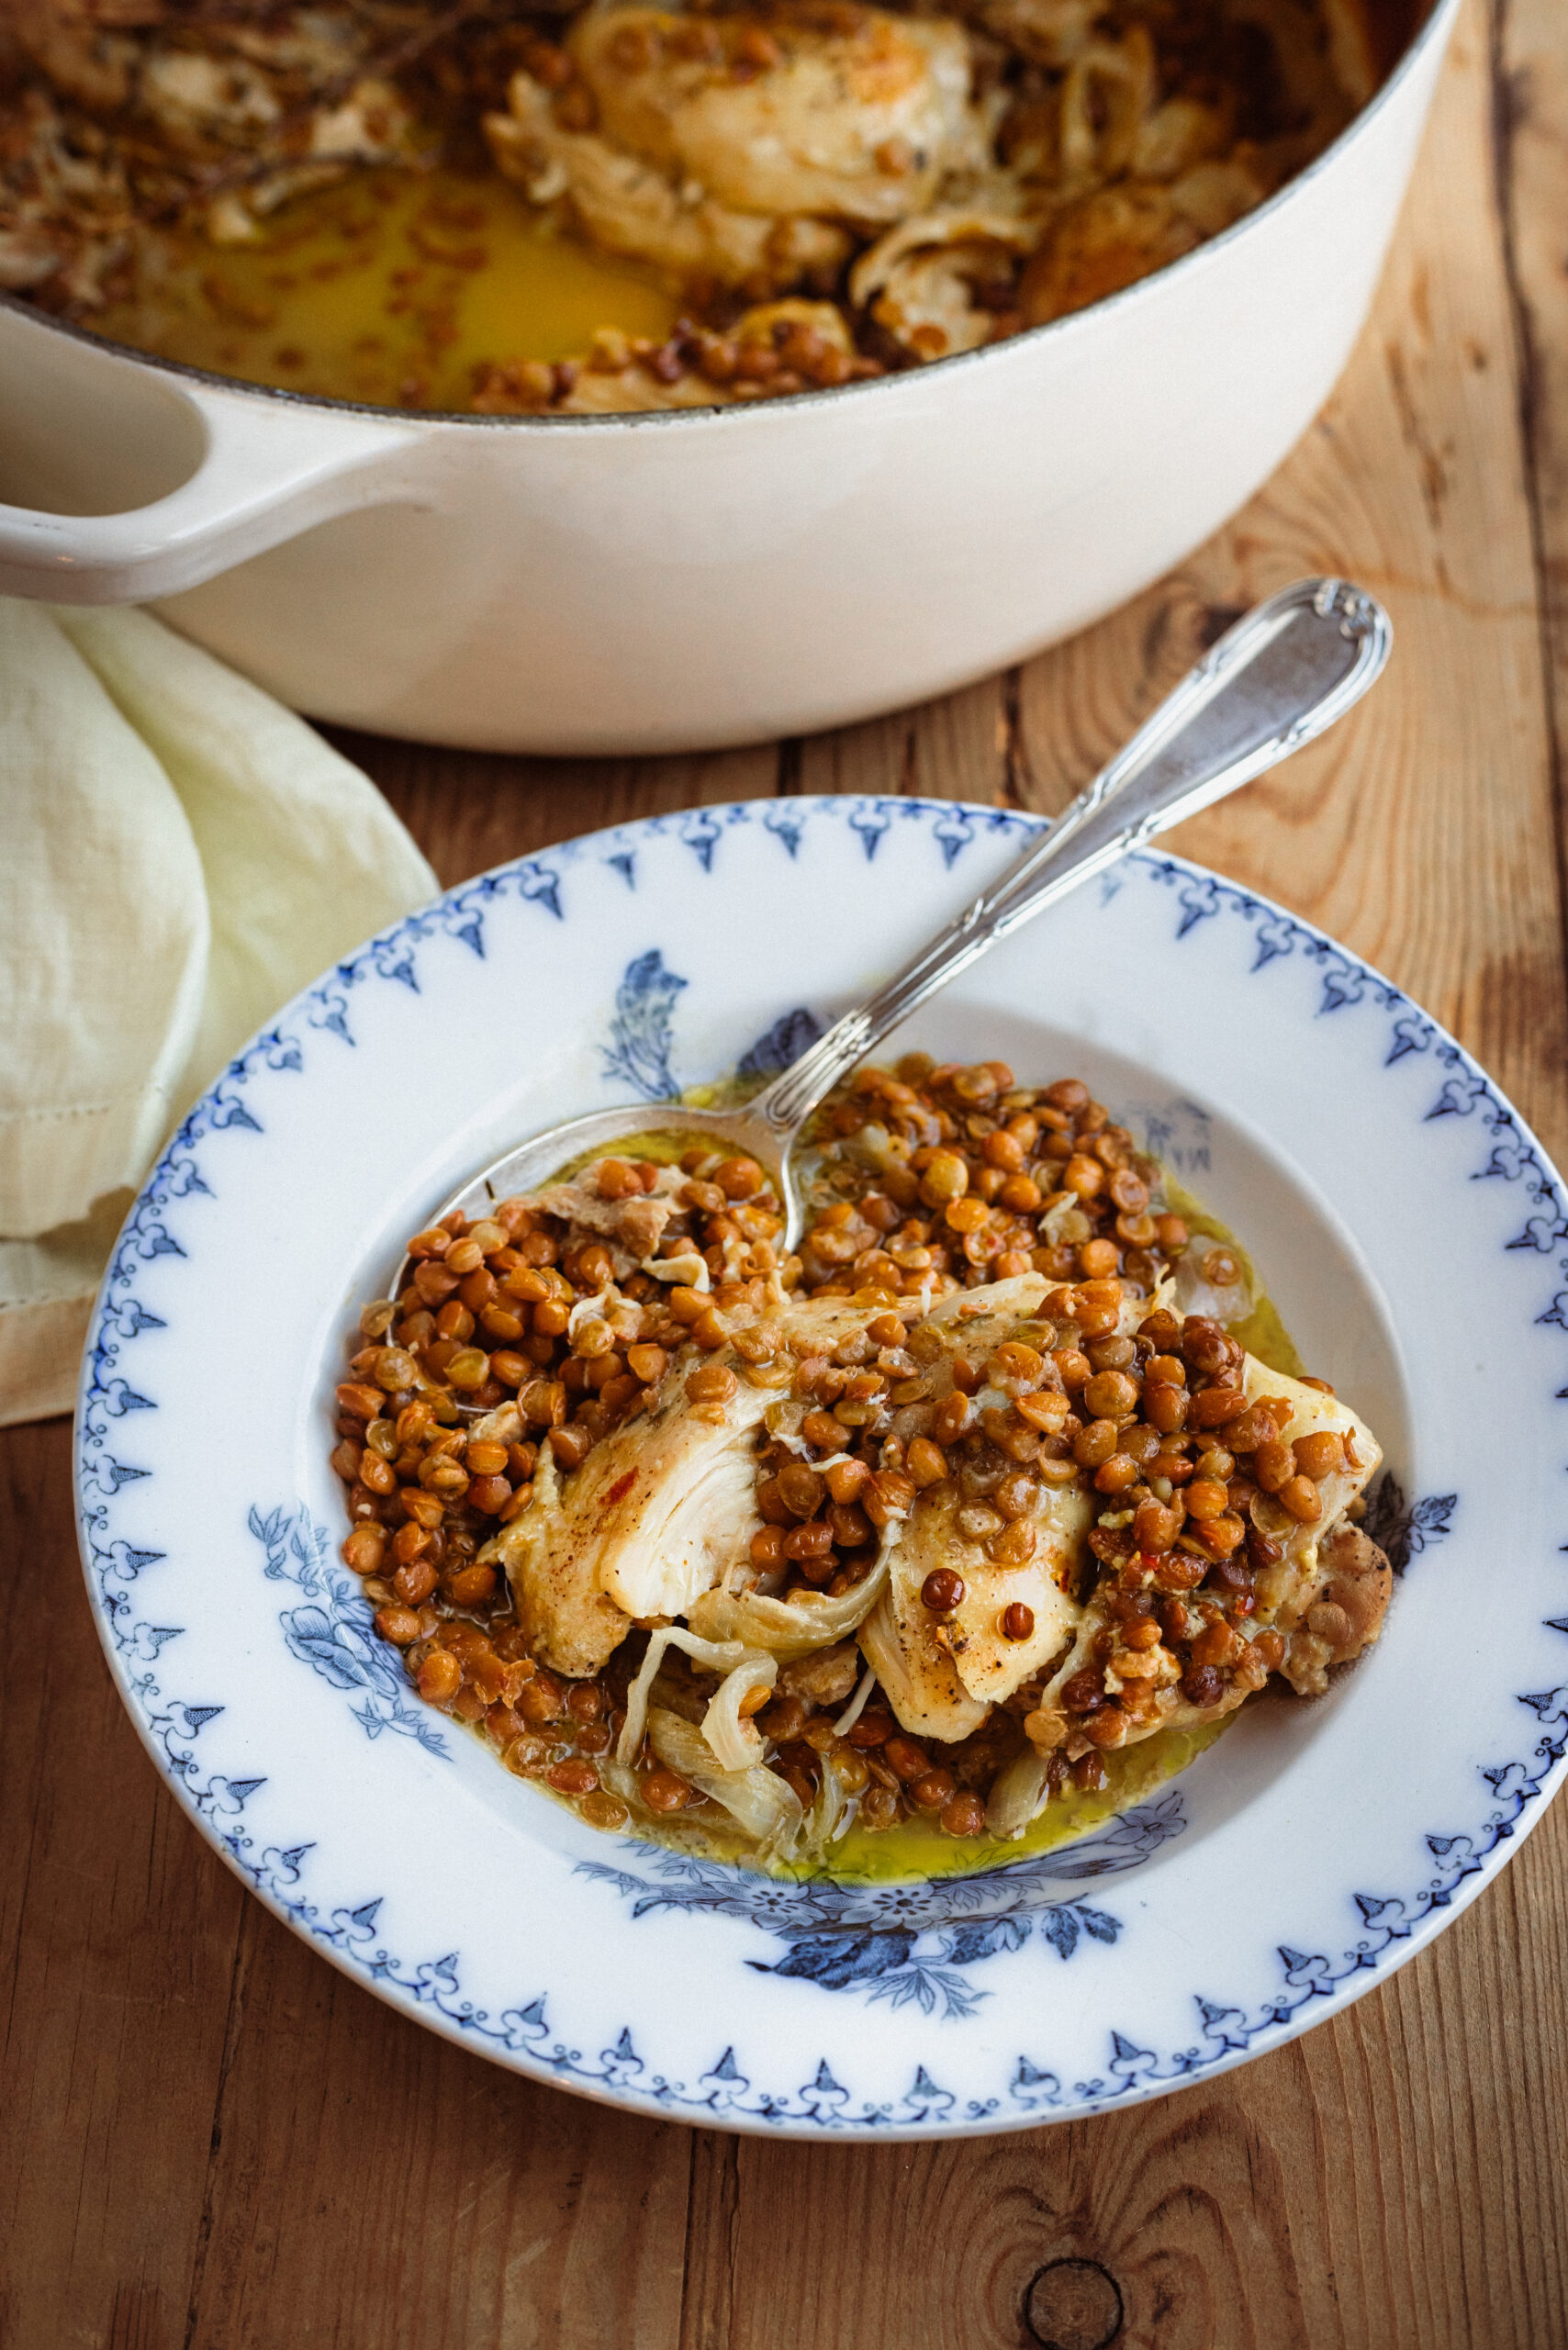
(265, 467)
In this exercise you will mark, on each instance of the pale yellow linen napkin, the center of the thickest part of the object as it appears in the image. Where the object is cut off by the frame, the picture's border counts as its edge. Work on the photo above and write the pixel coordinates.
(178, 854)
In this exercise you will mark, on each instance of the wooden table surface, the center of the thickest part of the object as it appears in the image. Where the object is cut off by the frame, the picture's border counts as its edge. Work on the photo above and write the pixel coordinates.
(210, 2139)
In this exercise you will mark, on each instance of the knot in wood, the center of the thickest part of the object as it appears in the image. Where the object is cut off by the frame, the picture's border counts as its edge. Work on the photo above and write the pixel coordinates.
(1072, 2305)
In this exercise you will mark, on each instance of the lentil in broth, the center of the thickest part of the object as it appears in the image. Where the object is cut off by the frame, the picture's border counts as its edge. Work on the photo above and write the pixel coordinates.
(1027, 1533)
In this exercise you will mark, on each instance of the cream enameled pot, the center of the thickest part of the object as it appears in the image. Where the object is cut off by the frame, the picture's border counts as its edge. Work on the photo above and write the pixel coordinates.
(666, 582)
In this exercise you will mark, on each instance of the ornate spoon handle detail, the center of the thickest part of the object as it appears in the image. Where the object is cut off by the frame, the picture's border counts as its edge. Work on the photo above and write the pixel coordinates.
(1271, 684)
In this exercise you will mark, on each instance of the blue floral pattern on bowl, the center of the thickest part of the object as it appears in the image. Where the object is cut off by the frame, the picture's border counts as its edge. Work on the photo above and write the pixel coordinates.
(915, 1961)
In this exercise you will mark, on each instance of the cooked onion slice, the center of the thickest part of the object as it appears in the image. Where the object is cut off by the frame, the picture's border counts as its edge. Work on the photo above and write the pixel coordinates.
(788, 1628)
(762, 1803)
(718, 1656)
(856, 1704)
(826, 1819)
(1018, 1794)
(1195, 1289)
(736, 1742)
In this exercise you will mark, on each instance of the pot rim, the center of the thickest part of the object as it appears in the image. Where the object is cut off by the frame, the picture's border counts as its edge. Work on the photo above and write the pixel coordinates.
(1432, 32)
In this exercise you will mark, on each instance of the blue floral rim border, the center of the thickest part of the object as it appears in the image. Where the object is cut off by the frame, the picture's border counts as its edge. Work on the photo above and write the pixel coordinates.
(172, 1727)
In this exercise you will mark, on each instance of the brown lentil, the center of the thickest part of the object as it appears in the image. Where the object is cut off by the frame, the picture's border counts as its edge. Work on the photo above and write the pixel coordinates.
(1153, 1427)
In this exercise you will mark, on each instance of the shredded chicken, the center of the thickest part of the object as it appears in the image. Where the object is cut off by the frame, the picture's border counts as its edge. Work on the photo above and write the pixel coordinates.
(628, 206)
(896, 1540)
(657, 1515)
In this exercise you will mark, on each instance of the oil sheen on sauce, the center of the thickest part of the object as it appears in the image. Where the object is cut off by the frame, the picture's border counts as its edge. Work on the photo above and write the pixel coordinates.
(918, 1848)
(392, 288)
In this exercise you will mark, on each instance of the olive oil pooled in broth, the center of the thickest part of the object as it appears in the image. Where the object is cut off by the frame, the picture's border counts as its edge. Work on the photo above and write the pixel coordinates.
(390, 289)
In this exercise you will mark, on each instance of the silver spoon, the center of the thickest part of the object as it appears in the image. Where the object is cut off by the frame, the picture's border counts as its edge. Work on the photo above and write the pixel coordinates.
(1286, 670)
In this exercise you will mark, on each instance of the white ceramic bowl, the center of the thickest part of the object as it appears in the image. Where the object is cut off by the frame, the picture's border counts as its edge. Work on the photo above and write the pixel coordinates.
(654, 583)
(1415, 1239)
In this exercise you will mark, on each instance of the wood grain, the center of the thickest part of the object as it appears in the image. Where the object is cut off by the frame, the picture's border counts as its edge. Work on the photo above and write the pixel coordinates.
(211, 2140)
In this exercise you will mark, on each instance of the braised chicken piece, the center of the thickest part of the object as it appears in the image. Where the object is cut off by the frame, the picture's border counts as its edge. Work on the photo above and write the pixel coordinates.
(653, 1517)
(728, 146)
(934, 1518)
(825, 108)
(665, 1509)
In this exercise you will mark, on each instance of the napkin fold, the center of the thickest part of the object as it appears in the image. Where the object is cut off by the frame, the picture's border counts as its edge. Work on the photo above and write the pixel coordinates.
(178, 856)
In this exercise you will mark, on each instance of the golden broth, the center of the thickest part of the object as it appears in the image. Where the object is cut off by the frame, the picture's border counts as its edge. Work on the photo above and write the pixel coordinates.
(391, 288)
(918, 1848)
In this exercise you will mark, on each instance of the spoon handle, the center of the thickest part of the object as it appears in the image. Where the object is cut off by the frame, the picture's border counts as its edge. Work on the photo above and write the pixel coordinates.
(1287, 669)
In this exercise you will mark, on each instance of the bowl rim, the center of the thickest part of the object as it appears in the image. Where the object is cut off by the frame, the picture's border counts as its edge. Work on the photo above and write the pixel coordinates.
(1432, 31)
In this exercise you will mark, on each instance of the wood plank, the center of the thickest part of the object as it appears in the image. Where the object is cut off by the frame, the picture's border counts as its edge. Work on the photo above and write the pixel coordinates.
(470, 810)
(952, 749)
(1531, 73)
(118, 1935)
(372, 2184)
(211, 2139)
